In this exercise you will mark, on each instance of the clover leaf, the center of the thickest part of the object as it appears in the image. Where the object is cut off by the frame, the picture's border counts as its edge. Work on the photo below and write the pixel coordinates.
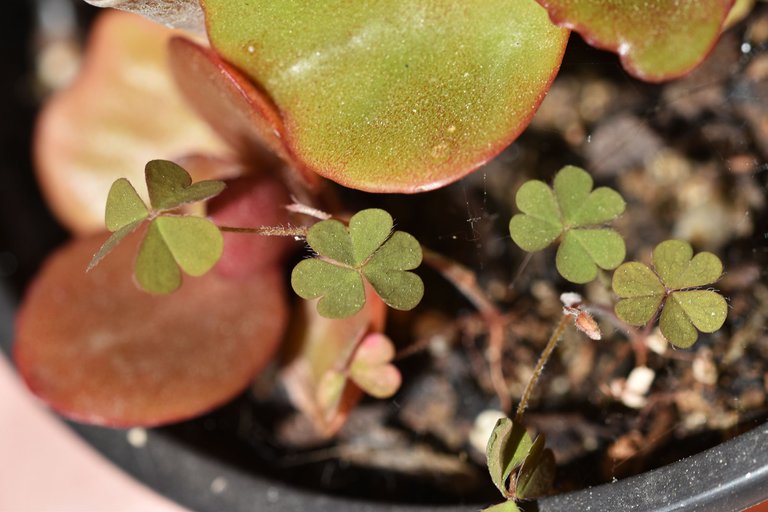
(574, 213)
(672, 287)
(511, 448)
(172, 242)
(367, 248)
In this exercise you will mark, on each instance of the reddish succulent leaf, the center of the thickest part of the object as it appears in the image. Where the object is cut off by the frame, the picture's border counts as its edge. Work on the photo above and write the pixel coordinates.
(318, 348)
(250, 202)
(399, 96)
(122, 111)
(656, 39)
(184, 14)
(100, 351)
(241, 113)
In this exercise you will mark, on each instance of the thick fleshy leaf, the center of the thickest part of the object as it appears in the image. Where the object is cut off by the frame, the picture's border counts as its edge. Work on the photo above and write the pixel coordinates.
(99, 350)
(387, 272)
(184, 14)
(122, 111)
(317, 347)
(679, 268)
(124, 206)
(537, 474)
(249, 202)
(507, 448)
(582, 251)
(656, 40)
(170, 186)
(540, 223)
(240, 112)
(582, 206)
(686, 311)
(371, 367)
(399, 96)
(341, 290)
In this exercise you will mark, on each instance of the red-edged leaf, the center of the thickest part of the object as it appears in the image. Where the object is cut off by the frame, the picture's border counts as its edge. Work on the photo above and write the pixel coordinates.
(250, 202)
(397, 96)
(100, 351)
(656, 40)
(239, 111)
(122, 111)
(318, 347)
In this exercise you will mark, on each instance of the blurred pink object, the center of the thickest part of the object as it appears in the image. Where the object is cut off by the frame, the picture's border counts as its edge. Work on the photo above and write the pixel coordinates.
(46, 467)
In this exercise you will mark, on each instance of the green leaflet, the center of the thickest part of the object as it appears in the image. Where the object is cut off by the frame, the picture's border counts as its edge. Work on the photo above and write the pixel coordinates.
(172, 242)
(575, 213)
(367, 248)
(672, 286)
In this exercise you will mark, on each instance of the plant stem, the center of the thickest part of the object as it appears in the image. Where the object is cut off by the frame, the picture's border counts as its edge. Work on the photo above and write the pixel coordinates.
(269, 230)
(466, 282)
(543, 358)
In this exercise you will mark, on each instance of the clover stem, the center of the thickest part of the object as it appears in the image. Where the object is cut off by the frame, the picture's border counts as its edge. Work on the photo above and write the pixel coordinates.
(269, 230)
(543, 358)
(466, 282)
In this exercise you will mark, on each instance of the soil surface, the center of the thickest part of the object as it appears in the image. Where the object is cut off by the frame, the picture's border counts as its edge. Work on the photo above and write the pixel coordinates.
(690, 157)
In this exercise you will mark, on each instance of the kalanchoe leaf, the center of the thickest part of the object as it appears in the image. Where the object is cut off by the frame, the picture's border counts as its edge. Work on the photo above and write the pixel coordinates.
(124, 206)
(656, 40)
(367, 248)
(185, 14)
(398, 96)
(576, 212)
(99, 350)
(170, 186)
(507, 448)
(371, 367)
(105, 126)
(537, 474)
(672, 287)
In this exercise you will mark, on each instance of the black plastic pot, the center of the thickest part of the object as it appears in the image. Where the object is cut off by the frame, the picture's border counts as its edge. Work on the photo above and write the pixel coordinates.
(727, 478)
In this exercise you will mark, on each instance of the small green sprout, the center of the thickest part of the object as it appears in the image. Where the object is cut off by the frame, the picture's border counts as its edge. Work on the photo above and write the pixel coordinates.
(674, 287)
(172, 242)
(367, 248)
(575, 214)
(510, 449)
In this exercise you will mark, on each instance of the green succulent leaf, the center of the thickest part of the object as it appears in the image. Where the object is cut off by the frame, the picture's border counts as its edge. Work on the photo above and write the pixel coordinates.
(367, 248)
(395, 96)
(537, 474)
(124, 206)
(170, 186)
(507, 448)
(656, 40)
(507, 506)
(574, 212)
(672, 286)
(193, 244)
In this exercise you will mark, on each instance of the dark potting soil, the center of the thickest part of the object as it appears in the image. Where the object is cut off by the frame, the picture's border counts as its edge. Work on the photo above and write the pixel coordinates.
(690, 157)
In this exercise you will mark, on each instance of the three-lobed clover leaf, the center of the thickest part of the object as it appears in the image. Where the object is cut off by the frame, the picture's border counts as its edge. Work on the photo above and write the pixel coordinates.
(172, 242)
(367, 248)
(576, 214)
(674, 287)
(510, 448)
